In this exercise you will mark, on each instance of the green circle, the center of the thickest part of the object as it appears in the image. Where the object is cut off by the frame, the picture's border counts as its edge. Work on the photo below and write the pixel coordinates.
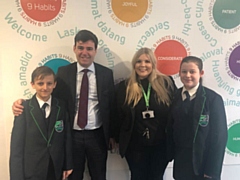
(227, 13)
(233, 143)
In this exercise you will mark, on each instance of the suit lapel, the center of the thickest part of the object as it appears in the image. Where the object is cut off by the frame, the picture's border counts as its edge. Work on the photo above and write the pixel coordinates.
(37, 116)
(99, 81)
(198, 108)
(53, 117)
(72, 74)
(178, 95)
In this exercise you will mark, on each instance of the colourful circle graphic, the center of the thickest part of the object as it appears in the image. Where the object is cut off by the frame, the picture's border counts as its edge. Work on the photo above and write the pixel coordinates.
(234, 61)
(169, 55)
(129, 11)
(40, 10)
(233, 143)
(54, 64)
(227, 13)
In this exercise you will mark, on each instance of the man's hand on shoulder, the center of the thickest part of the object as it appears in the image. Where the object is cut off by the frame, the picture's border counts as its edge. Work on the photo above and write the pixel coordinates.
(17, 108)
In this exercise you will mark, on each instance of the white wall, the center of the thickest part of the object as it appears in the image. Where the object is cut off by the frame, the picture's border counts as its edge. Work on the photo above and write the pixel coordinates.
(208, 29)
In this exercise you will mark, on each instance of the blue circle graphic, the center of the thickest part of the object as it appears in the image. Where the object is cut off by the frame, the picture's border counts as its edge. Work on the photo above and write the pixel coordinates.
(54, 64)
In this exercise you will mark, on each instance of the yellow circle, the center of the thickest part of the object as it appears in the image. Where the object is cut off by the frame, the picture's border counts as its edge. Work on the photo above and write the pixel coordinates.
(129, 11)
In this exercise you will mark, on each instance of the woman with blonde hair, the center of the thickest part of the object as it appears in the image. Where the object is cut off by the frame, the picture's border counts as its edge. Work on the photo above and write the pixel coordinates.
(143, 104)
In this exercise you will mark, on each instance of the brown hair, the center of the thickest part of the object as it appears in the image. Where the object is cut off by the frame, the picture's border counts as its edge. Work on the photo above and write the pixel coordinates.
(84, 36)
(41, 72)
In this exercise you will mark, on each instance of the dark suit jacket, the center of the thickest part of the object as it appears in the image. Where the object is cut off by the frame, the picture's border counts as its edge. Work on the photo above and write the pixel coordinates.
(209, 129)
(33, 143)
(66, 90)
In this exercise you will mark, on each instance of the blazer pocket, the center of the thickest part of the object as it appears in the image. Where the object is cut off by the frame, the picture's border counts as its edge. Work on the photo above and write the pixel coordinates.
(204, 120)
(59, 126)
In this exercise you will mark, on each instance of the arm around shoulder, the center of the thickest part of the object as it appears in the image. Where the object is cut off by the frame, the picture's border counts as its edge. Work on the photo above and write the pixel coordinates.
(17, 107)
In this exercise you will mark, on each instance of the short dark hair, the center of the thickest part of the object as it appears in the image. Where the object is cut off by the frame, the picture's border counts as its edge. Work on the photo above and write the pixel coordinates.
(84, 36)
(41, 72)
(195, 60)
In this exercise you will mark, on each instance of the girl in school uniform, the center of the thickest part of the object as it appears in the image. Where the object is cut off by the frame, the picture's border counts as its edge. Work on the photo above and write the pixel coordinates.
(197, 131)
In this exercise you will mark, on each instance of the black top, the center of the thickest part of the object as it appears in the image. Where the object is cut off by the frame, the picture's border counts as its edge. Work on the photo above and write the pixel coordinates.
(156, 125)
(130, 124)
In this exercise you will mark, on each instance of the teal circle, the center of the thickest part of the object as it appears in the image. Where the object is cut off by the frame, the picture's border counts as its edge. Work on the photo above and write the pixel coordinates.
(227, 13)
(54, 64)
(233, 143)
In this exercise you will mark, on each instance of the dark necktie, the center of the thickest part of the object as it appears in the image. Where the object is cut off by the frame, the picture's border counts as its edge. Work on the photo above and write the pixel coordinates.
(187, 102)
(187, 96)
(44, 109)
(83, 101)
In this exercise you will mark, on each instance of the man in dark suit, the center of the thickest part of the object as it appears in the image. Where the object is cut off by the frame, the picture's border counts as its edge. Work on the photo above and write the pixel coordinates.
(41, 144)
(91, 141)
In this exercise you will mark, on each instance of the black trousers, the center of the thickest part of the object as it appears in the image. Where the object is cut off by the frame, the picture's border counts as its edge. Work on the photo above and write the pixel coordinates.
(89, 145)
(147, 163)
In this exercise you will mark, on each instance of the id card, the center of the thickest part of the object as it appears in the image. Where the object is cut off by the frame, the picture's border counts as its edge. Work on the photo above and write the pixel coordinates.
(148, 114)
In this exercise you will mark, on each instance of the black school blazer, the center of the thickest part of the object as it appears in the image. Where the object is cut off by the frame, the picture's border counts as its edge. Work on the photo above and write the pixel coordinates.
(210, 132)
(32, 143)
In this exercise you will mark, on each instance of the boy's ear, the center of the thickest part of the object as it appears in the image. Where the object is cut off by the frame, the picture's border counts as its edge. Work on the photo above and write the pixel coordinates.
(55, 83)
(32, 83)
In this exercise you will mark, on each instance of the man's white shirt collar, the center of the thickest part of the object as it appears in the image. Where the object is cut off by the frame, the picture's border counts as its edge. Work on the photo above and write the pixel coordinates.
(80, 68)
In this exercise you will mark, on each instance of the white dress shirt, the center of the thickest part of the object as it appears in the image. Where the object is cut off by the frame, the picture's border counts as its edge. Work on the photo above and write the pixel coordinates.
(192, 92)
(48, 108)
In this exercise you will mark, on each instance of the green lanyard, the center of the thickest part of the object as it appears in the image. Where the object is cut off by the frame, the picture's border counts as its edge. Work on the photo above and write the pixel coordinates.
(147, 96)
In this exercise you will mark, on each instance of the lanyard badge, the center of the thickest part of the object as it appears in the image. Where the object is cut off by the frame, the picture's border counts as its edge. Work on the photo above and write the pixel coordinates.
(148, 113)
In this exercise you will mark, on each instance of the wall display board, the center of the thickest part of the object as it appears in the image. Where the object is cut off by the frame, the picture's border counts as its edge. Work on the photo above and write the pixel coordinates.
(41, 32)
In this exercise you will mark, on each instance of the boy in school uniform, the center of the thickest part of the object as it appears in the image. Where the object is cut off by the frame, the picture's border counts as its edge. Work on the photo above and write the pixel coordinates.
(41, 145)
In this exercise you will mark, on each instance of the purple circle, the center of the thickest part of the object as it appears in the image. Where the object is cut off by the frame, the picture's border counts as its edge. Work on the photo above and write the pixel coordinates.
(234, 61)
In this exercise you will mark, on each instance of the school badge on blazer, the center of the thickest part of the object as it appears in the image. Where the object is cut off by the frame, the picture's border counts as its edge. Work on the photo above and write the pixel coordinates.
(204, 119)
(59, 126)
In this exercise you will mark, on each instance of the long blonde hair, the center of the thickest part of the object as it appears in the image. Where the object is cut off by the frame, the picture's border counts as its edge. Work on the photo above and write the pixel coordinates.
(160, 83)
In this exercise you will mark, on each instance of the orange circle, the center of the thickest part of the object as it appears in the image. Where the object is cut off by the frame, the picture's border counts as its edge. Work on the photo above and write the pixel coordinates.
(169, 55)
(40, 10)
(129, 11)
